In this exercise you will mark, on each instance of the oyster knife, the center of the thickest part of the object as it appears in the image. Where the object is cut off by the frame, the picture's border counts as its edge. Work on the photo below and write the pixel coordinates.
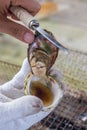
(30, 22)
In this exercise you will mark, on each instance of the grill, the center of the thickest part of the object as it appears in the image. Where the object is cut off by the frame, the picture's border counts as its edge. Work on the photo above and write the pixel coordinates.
(71, 112)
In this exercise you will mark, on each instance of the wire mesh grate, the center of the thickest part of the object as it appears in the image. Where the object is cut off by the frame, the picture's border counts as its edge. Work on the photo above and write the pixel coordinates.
(68, 115)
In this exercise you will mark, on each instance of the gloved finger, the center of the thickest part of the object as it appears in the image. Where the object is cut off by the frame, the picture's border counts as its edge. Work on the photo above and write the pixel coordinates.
(19, 78)
(4, 98)
(16, 30)
(19, 108)
(26, 122)
(9, 91)
(56, 74)
(29, 121)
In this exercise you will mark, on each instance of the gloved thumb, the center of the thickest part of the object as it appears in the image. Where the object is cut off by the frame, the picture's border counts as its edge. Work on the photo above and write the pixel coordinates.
(18, 79)
(19, 108)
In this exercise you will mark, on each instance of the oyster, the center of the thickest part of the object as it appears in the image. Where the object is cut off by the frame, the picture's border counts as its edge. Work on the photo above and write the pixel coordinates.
(43, 52)
(41, 56)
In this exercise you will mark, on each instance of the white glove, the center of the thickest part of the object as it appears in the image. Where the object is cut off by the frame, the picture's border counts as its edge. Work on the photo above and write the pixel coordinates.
(17, 111)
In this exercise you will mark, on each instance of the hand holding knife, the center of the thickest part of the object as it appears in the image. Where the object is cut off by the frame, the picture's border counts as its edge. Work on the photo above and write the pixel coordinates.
(33, 24)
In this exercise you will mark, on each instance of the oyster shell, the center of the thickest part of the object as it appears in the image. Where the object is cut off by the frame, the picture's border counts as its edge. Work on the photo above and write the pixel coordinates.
(43, 51)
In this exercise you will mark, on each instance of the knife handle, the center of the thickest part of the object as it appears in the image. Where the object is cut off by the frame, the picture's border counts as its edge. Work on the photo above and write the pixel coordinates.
(22, 14)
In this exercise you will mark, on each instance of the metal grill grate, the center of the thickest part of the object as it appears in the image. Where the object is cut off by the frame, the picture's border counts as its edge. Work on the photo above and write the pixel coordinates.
(69, 114)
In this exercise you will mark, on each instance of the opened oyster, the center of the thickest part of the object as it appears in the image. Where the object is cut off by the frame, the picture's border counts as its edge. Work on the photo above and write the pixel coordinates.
(42, 52)
(41, 56)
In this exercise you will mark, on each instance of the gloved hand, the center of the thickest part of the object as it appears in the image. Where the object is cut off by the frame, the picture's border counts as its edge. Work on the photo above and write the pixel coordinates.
(17, 111)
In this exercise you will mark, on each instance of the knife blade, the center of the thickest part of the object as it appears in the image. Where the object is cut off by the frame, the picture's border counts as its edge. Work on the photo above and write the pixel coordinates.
(34, 24)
